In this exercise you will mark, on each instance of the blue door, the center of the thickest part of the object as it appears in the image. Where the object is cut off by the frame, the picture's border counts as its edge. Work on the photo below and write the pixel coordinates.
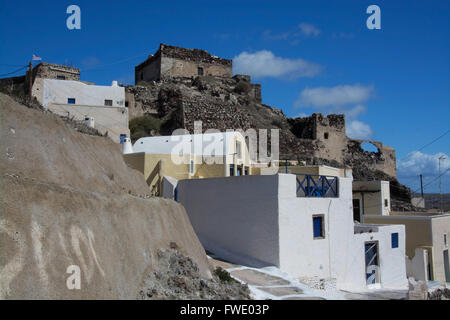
(372, 268)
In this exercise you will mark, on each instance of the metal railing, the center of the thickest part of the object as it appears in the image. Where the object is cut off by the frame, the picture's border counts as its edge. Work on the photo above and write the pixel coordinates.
(317, 186)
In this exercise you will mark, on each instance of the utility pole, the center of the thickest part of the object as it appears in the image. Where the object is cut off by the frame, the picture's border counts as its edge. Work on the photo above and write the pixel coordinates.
(440, 183)
(421, 185)
(30, 80)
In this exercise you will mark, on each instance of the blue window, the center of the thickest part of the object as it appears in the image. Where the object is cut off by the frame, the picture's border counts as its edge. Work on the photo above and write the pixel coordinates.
(175, 194)
(71, 100)
(231, 170)
(318, 227)
(394, 240)
(122, 137)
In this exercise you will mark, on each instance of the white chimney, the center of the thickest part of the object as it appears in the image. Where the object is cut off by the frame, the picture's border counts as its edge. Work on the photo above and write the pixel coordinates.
(114, 84)
(126, 146)
(89, 121)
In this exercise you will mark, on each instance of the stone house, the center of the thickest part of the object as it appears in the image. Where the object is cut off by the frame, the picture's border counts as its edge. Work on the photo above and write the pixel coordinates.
(172, 62)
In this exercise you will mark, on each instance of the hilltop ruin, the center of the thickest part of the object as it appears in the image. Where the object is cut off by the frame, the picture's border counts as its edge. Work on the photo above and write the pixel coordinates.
(179, 86)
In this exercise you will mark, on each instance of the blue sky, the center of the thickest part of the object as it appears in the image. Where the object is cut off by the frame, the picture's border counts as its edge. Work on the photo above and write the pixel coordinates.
(310, 56)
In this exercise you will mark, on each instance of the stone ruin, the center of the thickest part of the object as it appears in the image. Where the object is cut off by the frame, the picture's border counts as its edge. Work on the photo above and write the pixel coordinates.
(180, 86)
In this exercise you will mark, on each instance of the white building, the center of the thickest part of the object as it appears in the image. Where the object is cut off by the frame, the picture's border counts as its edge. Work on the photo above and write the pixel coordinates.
(101, 106)
(301, 224)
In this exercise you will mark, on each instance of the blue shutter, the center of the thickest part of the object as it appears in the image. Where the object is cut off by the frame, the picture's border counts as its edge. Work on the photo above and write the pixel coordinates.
(394, 240)
(317, 227)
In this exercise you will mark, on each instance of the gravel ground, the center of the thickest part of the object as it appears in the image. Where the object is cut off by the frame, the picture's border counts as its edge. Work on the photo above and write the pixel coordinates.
(178, 278)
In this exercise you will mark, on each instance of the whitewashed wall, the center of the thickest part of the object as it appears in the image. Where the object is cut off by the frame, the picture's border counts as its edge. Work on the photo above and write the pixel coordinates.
(259, 220)
(235, 217)
(300, 253)
(58, 91)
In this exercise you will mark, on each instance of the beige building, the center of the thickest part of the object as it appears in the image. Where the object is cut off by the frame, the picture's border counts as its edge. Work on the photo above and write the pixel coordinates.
(370, 198)
(195, 156)
(427, 255)
(426, 243)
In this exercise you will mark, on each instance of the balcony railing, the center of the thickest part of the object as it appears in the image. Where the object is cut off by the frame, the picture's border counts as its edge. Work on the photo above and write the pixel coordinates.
(317, 186)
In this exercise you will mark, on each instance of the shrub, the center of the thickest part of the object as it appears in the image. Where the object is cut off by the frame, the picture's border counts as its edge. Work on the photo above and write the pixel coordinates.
(223, 275)
(142, 126)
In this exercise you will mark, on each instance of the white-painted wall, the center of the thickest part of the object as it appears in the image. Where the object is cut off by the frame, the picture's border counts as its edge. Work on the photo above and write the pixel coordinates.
(235, 217)
(300, 253)
(89, 102)
(391, 260)
(259, 220)
(49, 91)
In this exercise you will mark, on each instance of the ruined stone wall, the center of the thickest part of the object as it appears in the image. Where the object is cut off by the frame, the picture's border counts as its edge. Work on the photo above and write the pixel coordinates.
(330, 135)
(383, 160)
(170, 61)
(327, 132)
(149, 70)
(171, 67)
(53, 71)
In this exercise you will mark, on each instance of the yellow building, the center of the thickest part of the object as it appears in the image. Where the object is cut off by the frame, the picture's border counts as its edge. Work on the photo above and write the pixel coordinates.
(178, 157)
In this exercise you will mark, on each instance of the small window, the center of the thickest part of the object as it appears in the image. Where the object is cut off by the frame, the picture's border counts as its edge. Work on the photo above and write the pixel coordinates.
(71, 100)
(61, 77)
(445, 240)
(191, 167)
(318, 229)
(231, 170)
(394, 240)
(108, 102)
(200, 71)
(325, 135)
(386, 203)
(126, 103)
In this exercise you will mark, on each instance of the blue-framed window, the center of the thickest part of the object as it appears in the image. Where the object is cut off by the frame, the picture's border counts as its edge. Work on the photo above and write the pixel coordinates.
(394, 240)
(191, 169)
(231, 170)
(318, 227)
(70, 100)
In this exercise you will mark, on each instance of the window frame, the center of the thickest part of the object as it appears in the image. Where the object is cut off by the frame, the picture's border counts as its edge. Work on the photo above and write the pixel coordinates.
(191, 167)
(232, 167)
(70, 99)
(322, 227)
(395, 240)
(238, 149)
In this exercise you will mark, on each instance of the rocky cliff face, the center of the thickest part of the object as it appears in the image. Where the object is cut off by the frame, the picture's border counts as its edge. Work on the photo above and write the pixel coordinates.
(68, 199)
(235, 103)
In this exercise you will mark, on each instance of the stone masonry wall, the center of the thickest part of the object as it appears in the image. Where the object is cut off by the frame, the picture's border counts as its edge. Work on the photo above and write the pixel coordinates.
(171, 61)
(52, 71)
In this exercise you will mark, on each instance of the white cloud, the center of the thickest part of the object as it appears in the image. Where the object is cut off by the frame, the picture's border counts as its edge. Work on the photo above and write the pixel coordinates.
(358, 130)
(265, 64)
(416, 163)
(334, 96)
(308, 29)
